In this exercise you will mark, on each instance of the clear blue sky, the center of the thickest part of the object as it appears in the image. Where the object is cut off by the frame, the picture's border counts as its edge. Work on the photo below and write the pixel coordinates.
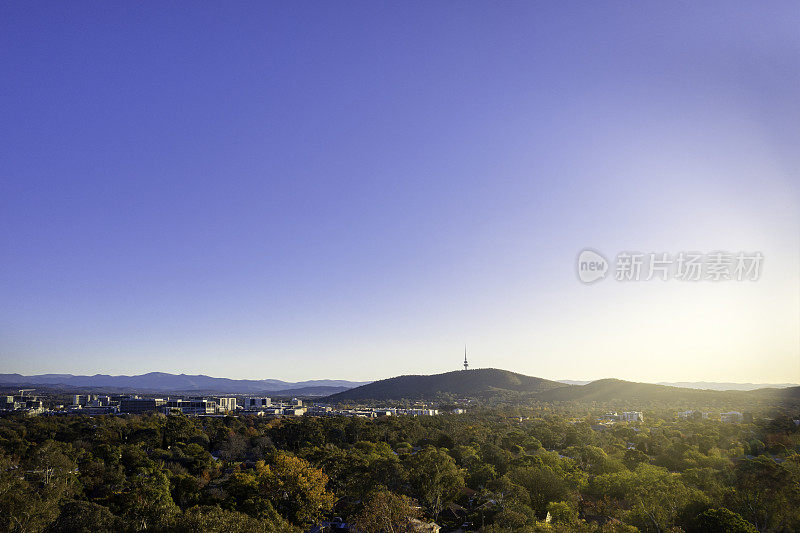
(354, 190)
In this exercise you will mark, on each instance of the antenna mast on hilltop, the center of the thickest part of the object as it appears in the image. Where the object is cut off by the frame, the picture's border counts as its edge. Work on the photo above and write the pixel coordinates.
(466, 365)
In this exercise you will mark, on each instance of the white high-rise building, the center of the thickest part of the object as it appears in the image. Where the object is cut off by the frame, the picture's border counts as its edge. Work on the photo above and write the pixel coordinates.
(227, 405)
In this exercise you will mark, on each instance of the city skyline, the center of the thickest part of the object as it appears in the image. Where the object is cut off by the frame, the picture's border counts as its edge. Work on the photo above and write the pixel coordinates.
(356, 191)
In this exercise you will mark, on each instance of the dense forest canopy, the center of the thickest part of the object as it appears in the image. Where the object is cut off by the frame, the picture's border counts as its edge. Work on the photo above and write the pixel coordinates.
(493, 470)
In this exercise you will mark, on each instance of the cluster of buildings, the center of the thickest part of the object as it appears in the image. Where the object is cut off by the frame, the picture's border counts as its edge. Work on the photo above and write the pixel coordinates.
(375, 412)
(735, 417)
(194, 405)
(265, 406)
(189, 406)
(337, 525)
(261, 406)
(627, 416)
(731, 417)
(22, 402)
(693, 414)
(93, 404)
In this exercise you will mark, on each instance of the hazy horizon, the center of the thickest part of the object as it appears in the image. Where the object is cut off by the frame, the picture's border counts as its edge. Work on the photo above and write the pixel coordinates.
(569, 381)
(360, 189)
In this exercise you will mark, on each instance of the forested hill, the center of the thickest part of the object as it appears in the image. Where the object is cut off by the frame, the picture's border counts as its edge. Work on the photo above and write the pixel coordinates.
(459, 382)
(491, 381)
(606, 390)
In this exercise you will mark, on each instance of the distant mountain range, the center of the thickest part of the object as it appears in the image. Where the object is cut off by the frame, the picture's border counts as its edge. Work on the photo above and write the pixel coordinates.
(163, 382)
(712, 385)
(708, 385)
(604, 390)
(484, 382)
(609, 390)
(490, 381)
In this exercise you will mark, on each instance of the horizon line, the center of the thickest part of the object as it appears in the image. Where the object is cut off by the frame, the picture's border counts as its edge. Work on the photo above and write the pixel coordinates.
(566, 381)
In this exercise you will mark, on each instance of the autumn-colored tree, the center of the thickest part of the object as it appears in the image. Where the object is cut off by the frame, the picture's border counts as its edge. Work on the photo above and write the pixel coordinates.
(295, 488)
(386, 512)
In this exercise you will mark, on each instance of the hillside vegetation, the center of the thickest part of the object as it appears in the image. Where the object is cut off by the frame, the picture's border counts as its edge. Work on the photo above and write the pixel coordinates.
(459, 383)
(495, 383)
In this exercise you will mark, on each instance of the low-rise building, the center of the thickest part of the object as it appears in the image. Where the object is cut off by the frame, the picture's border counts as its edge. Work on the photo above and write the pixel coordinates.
(28, 403)
(194, 406)
(137, 406)
(693, 414)
(320, 410)
(98, 410)
(7, 403)
(632, 416)
(256, 404)
(419, 412)
(422, 526)
(732, 417)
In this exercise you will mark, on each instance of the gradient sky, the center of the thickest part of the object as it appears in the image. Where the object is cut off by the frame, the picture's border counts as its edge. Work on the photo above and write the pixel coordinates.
(301, 190)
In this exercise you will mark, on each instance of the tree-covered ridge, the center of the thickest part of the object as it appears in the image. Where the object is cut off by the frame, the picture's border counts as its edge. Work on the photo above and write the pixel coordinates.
(459, 382)
(493, 383)
(496, 472)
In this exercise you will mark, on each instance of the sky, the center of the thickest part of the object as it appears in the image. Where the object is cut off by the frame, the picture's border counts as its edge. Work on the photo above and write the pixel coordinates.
(304, 190)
